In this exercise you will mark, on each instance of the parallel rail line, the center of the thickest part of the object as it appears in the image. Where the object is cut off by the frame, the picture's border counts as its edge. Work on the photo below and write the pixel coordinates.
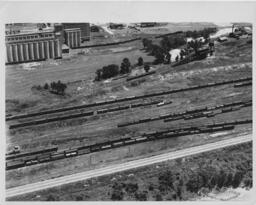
(194, 113)
(52, 156)
(81, 114)
(28, 188)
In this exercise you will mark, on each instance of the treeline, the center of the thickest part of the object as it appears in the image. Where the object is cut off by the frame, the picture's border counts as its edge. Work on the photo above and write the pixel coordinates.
(54, 87)
(113, 70)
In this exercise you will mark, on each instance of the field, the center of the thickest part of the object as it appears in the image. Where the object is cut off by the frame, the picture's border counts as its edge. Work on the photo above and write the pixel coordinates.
(232, 60)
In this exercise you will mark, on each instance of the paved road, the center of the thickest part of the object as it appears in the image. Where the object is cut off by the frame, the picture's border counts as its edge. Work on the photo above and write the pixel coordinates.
(124, 166)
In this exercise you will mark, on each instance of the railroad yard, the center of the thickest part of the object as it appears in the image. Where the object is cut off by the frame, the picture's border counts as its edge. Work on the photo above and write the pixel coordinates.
(128, 117)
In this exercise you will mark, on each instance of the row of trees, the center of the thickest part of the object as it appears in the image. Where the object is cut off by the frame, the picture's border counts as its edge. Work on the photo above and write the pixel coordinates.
(54, 87)
(113, 70)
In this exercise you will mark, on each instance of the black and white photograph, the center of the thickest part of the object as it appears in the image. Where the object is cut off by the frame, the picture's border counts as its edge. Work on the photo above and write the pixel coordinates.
(128, 108)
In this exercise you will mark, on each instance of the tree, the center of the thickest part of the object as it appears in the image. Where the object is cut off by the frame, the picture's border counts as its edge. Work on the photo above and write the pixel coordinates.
(177, 58)
(110, 71)
(221, 179)
(140, 61)
(237, 179)
(195, 45)
(98, 74)
(146, 68)
(147, 44)
(53, 86)
(125, 66)
(46, 86)
(166, 44)
(159, 54)
(167, 58)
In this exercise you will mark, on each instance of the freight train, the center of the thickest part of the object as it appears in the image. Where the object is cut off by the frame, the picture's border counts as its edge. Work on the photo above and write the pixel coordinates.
(51, 156)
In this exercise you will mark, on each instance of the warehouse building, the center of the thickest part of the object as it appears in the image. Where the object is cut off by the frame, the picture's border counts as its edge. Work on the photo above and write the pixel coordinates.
(27, 47)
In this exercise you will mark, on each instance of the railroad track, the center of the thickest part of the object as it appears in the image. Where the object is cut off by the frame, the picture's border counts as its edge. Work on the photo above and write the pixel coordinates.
(194, 113)
(60, 110)
(20, 161)
(50, 183)
(83, 114)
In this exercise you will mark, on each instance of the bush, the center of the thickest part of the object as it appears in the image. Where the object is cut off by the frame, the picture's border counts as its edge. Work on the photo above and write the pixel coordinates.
(117, 195)
(79, 198)
(159, 197)
(131, 187)
(146, 68)
(117, 192)
(141, 196)
(166, 180)
(58, 88)
(51, 198)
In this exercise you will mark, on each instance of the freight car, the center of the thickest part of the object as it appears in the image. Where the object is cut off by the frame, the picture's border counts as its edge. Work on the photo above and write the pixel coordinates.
(70, 152)
(15, 156)
(14, 164)
(44, 157)
(57, 155)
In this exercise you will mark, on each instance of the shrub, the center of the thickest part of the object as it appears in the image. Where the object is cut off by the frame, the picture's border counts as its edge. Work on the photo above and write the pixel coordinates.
(146, 68)
(117, 195)
(159, 197)
(58, 88)
(131, 187)
(141, 196)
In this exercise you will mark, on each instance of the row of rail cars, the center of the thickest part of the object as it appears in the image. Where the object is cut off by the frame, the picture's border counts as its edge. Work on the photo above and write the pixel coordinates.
(17, 162)
(192, 114)
(82, 114)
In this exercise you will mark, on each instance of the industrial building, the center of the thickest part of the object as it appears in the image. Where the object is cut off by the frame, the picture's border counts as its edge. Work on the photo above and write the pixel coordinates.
(27, 47)
(72, 37)
(36, 42)
(84, 27)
